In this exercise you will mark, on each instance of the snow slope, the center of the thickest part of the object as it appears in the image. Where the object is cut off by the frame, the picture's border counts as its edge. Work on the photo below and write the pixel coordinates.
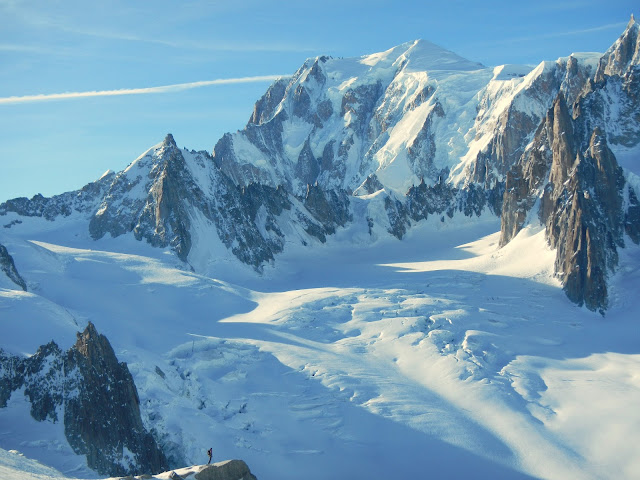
(16, 466)
(439, 355)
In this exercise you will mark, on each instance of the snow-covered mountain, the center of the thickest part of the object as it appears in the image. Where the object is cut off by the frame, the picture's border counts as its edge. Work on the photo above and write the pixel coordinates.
(390, 120)
(378, 250)
(387, 139)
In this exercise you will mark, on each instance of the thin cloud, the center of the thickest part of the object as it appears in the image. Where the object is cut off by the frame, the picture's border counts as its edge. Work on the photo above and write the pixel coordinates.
(569, 33)
(8, 47)
(554, 6)
(136, 91)
(212, 45)
(59, 22)
(12, 48)
(584, 30)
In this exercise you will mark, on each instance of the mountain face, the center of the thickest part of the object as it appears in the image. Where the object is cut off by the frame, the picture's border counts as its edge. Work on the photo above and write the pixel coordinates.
(570, 174)
(334, 122)
(402, 135)
(93, 395)
(399, 116)
(168, 194)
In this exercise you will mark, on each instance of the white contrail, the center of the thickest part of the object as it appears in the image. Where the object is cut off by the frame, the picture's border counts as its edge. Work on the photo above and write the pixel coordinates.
(136, 91)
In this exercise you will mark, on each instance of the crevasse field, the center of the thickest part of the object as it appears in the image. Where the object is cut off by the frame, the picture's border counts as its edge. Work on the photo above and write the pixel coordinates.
(439, 356)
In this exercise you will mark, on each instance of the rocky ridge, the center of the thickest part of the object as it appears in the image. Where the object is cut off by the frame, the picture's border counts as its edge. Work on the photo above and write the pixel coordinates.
(83, 201)
(160, 196)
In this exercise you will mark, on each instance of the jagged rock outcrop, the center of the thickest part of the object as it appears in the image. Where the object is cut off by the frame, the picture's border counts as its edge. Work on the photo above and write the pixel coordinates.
(442, 198)
(553, 144)
(586, 225)
(624, 54)
(610, 99)
(570, 171)
(164, 219)
(579, 187)
(180, 187)
(246, 219)
(8, 266)
(97, 398)
(147, 199)
(330, 209)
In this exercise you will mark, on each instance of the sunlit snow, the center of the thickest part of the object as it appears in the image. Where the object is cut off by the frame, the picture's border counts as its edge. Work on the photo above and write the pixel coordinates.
(439, 354)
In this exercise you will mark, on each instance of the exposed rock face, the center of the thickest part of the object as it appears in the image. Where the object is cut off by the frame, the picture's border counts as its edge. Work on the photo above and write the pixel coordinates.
(103, 420)
(164, 220)
(330, 208)
(632, 215)
(151, 207)
(623, 55)
(442, 199)
(8, 266)
(163, 215)
(265, 108)
(229, 470)
(586, 225)
(246, 220)
(98, 400)
(584, 201)
(553, 144)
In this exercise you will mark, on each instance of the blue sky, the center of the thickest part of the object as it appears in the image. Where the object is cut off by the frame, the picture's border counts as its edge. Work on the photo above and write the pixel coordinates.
(53, 47)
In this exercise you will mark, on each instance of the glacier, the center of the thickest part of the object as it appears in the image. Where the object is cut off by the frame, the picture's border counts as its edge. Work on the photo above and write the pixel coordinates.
(456, 359)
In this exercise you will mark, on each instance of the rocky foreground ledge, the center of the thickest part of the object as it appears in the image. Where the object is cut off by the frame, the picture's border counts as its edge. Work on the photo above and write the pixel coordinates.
(227, 470)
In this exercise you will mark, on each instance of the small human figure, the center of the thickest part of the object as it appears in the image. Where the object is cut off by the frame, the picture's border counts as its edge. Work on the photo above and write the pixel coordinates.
(210, 453)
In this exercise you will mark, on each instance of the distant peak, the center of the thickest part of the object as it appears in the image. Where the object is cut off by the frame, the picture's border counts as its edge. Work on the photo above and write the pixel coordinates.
(623, 54)
(426, 55)
(168, 140)
(420, 42)
(421, 45)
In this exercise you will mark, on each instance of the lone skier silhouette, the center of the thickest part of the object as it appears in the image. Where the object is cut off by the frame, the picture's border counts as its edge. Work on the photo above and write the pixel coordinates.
(210, 453)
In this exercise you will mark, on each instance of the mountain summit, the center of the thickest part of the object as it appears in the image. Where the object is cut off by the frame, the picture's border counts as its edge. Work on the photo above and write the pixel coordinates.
(419, 56)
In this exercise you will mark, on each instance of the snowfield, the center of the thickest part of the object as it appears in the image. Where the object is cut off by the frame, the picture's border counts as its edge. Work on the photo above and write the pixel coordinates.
(439, 356)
